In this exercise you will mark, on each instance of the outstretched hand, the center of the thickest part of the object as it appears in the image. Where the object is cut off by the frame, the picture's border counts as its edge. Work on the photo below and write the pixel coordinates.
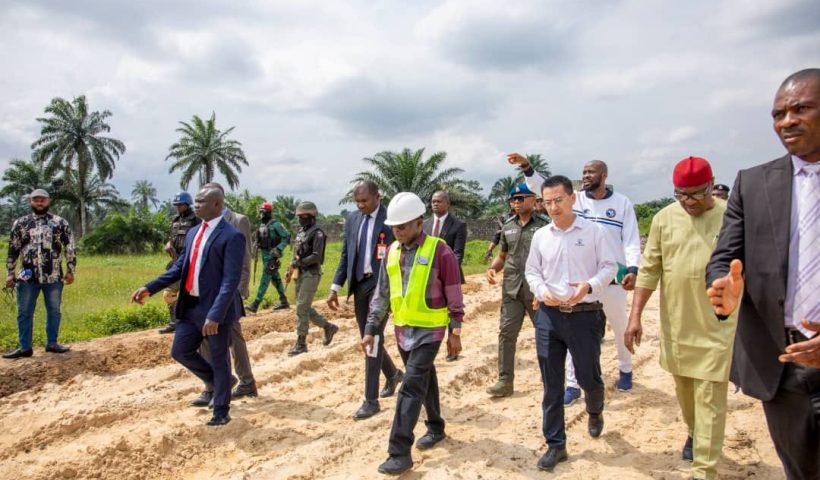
(725, 292)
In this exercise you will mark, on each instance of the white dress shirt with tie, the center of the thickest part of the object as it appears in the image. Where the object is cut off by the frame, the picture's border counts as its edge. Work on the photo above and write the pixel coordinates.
(198, 267)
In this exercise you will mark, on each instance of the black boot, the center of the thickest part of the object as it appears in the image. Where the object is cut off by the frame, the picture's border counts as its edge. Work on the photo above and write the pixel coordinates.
(282, 305)
(299, 347)
(330, 330)
(253, 306)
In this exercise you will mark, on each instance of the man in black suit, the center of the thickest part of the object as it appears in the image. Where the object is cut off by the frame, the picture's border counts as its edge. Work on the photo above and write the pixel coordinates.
(210, 270)
(770, 241)
(363, 248)
(447, 227)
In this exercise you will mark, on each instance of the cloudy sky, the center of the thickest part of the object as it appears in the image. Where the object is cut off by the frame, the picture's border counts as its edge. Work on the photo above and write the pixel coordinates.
(312, 86)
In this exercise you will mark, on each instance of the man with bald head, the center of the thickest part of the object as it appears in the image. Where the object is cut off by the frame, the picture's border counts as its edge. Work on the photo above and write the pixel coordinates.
(767, 263)
(209, 269)
(615, 213)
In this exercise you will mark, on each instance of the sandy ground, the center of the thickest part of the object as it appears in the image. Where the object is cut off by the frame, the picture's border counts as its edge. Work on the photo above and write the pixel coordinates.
(117, 408)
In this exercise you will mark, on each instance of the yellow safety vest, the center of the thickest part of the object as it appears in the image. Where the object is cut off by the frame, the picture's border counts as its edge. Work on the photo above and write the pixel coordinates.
(411, 309)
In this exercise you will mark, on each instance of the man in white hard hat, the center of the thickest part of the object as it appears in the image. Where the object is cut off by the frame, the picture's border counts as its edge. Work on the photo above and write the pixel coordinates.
(421, 284)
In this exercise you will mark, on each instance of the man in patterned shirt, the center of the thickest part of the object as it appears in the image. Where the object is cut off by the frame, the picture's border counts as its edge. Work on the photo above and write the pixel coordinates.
(39, 239)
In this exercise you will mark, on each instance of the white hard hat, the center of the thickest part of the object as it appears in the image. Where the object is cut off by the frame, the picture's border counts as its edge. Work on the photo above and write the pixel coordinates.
(404, 207)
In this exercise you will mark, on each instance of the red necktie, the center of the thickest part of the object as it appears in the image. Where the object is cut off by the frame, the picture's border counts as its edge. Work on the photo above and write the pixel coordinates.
(189, 282)
(435, 229)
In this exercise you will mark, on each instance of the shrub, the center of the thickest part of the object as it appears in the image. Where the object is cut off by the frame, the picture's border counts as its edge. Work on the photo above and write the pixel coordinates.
(126, 319)
(138, 231)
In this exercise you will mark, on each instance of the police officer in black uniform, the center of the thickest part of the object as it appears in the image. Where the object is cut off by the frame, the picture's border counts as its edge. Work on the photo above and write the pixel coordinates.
(308, 256)
(180, 224)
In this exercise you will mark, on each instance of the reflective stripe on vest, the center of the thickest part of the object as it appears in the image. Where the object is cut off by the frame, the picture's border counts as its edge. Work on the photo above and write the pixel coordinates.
(411, 309)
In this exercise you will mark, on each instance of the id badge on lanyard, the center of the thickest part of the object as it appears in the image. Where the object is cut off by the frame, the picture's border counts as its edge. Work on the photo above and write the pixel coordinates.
(381, 248)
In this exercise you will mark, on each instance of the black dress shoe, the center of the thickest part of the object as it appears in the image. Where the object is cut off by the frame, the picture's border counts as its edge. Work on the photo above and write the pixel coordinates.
(396, 465)
(367, 410)
(595, 424)
(553, 457)
(218, 420)
(429, 440)
(330, 330)
(451, 358)
(686, 453)
(56, 348)
(19, 353)
(203, 399)
(168, 329)
(248, 390)
(391, 384)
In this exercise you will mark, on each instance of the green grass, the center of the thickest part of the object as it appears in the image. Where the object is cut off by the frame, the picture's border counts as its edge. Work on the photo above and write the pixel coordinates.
(98, 303)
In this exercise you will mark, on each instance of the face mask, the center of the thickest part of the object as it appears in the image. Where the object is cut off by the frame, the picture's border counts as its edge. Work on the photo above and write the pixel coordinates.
(266, 216)
(40, 211)
(305, 222)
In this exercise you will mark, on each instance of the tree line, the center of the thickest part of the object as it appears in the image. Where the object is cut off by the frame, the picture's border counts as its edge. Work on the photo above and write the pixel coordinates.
(74, 159)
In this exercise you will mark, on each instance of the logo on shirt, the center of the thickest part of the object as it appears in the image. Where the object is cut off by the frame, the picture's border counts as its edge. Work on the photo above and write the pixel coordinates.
(579, 242)
(610, 212)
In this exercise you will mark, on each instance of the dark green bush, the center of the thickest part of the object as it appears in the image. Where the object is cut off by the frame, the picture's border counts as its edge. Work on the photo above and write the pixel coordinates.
(138, 231)
(126, 319)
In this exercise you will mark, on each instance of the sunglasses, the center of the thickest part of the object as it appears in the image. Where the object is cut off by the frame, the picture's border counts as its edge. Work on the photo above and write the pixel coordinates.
(698, 196)
(519, 198)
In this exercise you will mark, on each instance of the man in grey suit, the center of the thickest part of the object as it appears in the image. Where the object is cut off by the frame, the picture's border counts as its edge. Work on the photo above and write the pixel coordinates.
(241, 359)
(770, 241)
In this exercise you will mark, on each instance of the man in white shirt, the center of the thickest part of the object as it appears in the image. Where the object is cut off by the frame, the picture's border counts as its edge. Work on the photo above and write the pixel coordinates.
(615, 213)
(570, 262)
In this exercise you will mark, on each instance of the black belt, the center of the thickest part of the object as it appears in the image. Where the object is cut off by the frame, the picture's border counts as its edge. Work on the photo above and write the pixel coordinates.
(794, 336)
(579, 307)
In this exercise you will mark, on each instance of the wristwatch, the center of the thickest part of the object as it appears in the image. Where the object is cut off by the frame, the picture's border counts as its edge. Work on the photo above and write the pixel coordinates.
(456, 332)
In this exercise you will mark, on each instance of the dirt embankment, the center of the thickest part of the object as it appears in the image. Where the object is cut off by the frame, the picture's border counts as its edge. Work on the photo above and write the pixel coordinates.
(117, 408)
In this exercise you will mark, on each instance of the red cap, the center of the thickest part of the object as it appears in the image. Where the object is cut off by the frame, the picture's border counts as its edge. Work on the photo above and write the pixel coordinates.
(266, 206)
(691, 172)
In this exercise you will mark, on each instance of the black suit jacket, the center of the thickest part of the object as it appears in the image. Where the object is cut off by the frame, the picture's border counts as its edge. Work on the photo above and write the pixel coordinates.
(454, 234)
(347, 260)
(756, 231)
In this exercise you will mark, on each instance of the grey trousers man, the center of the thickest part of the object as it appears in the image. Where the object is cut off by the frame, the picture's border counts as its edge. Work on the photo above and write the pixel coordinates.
(512, 318)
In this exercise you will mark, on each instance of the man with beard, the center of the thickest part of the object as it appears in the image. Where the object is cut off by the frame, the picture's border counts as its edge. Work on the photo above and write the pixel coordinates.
(180, 224)
(271, 240)
(39, 239)
(616, 215)
(767, 263)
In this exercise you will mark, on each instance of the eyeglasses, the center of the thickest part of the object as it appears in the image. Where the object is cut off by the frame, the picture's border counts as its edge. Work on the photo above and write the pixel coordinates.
(697, 196)
(519, 199)
(555, 201)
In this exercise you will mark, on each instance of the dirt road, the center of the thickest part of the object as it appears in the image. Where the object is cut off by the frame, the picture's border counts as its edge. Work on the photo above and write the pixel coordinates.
(117, 408)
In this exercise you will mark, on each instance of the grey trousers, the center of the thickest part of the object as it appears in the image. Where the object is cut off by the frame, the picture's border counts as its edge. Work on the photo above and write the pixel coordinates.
(241, 361)
(512, 317)
(306, 286)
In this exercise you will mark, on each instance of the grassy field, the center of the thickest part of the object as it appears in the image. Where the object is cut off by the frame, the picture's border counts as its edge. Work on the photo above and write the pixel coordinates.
(97, 304)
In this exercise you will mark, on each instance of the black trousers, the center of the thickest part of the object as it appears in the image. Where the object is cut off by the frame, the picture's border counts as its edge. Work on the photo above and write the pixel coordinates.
(420, 387)
(579, 333)
(793, 417)
(362, 293)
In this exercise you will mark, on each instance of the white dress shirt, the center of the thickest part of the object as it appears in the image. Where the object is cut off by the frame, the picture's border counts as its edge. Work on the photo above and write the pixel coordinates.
(581, 253)
(368, 255)
(440, 221)
(199, 259)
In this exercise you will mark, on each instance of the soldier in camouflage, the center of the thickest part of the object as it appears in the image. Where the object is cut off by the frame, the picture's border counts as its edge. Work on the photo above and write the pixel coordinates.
(308, 256)
(39, 240)
(180, 224)
(271, 239)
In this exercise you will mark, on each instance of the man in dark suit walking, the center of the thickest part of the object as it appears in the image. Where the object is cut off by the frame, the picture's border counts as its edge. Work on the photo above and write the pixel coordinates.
(363, 248)
(209, 270)
(770, 240)
(447, 227)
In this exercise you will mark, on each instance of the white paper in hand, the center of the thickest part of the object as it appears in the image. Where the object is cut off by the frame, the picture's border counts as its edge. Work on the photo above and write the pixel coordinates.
(374, 350)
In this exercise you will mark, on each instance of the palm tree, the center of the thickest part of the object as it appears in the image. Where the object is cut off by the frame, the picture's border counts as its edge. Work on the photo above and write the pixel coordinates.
(70, 142)
(501, 189)
(284, 208)
(21, 177)
(91, 200)
(407, 171)
(143, 194)
(203, 149)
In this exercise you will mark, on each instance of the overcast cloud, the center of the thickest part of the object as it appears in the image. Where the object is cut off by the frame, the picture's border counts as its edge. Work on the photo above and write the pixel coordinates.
(312, 87)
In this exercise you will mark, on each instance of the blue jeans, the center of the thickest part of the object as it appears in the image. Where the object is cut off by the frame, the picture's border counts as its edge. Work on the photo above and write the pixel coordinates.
(27, 294)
